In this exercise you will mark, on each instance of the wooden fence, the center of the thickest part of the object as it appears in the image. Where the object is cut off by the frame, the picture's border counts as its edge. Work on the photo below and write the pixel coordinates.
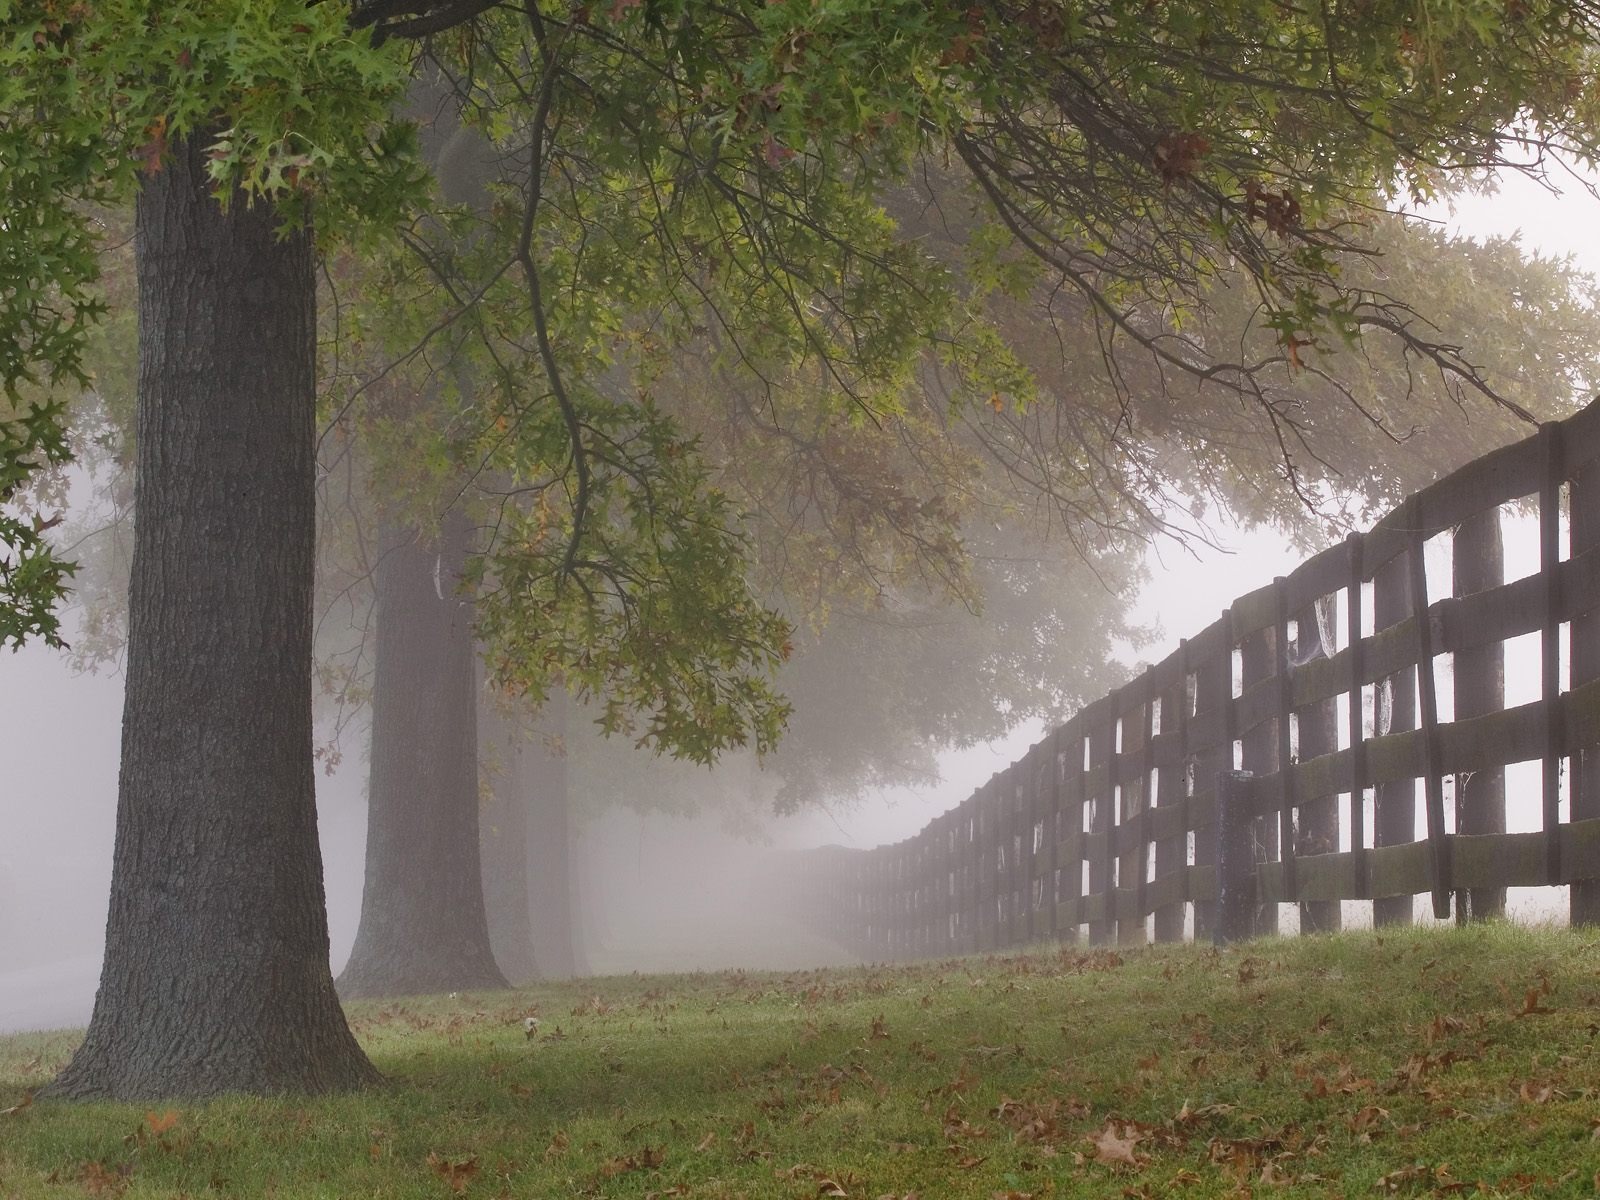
(1270, 735)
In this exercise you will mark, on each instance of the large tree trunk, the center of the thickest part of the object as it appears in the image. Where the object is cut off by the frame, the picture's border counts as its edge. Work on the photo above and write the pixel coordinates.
(216, 971)
(422, 926)
(542, 776)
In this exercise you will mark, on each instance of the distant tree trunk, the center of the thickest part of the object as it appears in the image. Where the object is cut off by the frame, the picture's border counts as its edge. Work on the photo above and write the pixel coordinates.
(552, 882)
(503, 837)
(422, 926)
(216, 971)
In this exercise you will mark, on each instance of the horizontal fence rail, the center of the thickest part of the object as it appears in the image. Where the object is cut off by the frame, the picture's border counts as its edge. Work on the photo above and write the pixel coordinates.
(1285, 753)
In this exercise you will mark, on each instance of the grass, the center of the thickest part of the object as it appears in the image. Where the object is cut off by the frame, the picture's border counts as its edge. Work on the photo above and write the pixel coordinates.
(1413, 1063)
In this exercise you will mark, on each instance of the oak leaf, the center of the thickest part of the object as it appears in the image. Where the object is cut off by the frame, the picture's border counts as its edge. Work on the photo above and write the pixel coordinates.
(456, 1175)
(1115, 1144)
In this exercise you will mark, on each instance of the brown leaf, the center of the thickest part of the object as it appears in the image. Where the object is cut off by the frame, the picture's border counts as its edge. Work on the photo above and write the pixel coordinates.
(20, 1106)
(154, 150)
(1531, 1007)
(646, 1158)
(1115, 1145)
(159, 1124)
(1536, 1093)
(774, 152)
(456, 1175)
(100, 1180)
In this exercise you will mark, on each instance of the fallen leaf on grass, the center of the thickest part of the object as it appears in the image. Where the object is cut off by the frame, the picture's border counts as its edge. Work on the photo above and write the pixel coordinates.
(1536, 1093)
(647, 1158)
(456, 1175)
(1115, 1145)
(1531, 1007)
(956, 1126)
(157, 1124)
(1435, 1179)
(21, 1106)
(1364, 1118)
(100, 1180)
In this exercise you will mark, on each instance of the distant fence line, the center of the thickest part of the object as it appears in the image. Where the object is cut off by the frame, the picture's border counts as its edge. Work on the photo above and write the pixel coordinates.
(1225, 772)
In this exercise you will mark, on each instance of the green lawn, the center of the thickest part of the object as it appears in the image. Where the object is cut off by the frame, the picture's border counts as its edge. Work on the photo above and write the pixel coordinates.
(1418, 1063)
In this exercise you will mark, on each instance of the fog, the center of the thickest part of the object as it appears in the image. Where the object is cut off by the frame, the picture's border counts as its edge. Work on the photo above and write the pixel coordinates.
(656, 892)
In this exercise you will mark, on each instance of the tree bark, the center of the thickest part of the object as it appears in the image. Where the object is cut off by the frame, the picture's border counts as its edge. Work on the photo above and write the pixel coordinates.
(423, 927)
(216, 973)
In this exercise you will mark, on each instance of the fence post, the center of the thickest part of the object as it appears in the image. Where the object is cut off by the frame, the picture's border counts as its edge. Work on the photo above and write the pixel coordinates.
(950, 883)
(1478, 564)
(1131, 862)
(1235, 857)
(1550, 643)
(1015, 930)
(970, 905)
(1171, 790)
(1032, 838)
(1584, 499)
(1101, 793)
(1355, 710)
(1317, 733)
(1439, 847)
(1260, 757)
(1075, 792)
(1052, 825)
(1288, 792)
(1213, 692)
(1395, 803)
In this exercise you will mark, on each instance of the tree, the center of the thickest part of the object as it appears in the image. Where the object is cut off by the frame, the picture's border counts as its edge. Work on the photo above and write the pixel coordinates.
(740, 148)
(216, 740)
(423, 927)
(216, 858)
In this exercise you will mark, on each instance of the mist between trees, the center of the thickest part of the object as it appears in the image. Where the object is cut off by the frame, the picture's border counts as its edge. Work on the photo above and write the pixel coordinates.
(791, 388)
